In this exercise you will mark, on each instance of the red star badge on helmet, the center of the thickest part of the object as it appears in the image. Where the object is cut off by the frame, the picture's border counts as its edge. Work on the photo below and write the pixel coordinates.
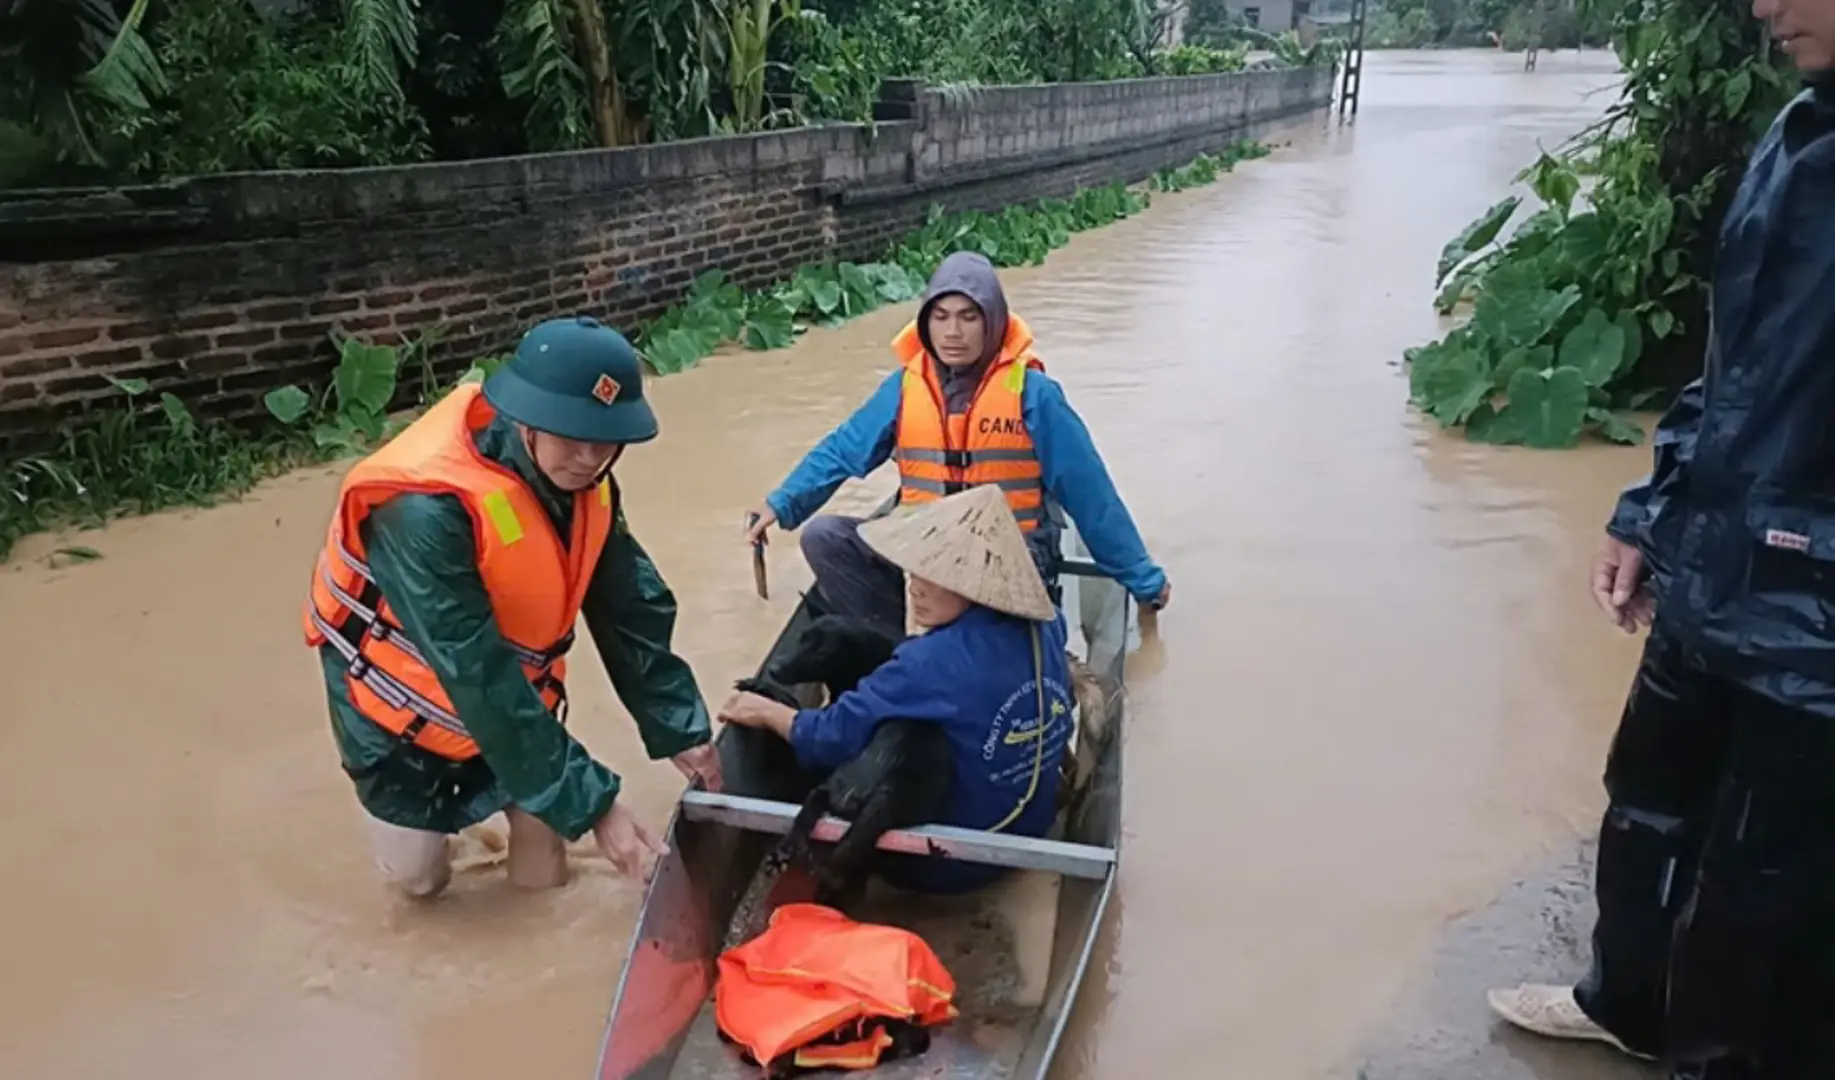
(606, 389)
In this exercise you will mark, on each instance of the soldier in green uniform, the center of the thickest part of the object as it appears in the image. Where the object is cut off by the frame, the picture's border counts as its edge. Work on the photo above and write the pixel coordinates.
(491, 520)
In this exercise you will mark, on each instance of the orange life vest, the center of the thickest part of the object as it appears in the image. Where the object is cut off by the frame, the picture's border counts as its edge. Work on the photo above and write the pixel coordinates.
(939, 454)
(535, 583)
(815, 982)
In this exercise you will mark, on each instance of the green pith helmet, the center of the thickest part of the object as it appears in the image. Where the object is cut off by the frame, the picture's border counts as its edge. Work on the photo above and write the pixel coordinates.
(576, 378)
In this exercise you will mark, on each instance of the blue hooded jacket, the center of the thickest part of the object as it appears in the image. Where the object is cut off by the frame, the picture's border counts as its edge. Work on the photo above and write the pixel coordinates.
(974, 676)
(1074, 475)
(1737, 518)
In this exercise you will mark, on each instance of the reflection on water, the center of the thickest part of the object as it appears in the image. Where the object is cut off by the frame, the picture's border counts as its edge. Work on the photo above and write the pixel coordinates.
(1379, 692)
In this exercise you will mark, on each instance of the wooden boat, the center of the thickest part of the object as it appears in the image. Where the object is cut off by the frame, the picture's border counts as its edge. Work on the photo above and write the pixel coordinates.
(662, 1025)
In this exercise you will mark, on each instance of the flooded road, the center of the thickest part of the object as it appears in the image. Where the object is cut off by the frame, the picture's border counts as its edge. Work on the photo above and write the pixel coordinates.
(1379, 696)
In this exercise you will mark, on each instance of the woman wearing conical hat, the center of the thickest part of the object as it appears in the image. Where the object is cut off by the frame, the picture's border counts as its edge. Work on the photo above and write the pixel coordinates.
(989, 665)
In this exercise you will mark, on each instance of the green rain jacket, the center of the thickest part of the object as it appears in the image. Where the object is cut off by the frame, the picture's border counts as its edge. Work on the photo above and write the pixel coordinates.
(422, 552)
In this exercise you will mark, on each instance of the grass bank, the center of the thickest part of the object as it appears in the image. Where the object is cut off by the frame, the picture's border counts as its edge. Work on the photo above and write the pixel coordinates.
(148, 451)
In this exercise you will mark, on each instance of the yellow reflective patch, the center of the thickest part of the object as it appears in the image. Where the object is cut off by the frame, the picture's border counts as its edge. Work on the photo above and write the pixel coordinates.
(1016, 376)
(503, 517)
(605, 492)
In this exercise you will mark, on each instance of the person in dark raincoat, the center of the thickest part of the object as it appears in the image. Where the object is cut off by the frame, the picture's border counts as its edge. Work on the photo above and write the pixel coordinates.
(1714, 949)
(990, 669)
(969, 404)
(459, 556)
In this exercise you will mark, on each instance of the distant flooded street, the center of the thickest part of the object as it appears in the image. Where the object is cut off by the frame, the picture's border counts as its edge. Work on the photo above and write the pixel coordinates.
(1381, 690)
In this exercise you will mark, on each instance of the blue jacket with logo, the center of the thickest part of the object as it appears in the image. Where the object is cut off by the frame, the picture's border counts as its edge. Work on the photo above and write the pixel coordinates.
(1737, 518)
(974, 676)
(1074, 475)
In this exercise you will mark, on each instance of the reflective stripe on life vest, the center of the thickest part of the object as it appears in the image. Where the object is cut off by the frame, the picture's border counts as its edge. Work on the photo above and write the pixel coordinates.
(858, 1054)
(535, 582)
(939, 453)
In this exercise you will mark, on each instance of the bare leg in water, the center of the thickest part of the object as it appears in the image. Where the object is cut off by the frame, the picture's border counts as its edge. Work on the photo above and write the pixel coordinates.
(538, 855)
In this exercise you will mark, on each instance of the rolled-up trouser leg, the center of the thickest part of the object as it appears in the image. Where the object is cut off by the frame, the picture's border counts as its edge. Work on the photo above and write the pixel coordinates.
(1752, 980)
(851, 576)
(1661, 778)
(414, 862)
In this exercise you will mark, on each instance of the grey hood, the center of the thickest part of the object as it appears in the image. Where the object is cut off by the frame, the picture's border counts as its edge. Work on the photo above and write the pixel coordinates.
(969, 274)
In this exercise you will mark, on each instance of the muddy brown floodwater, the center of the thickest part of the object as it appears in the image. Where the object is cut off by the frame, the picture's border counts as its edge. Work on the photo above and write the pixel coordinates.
(1379, 695)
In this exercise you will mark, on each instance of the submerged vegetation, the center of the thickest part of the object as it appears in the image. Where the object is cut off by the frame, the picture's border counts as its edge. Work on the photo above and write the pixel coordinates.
(1595, 306)
(717, 312)
(152, 453)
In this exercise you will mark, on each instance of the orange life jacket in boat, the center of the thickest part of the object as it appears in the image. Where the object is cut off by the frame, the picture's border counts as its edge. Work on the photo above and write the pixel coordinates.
(535, 582)
(820, 987)
(939, 454)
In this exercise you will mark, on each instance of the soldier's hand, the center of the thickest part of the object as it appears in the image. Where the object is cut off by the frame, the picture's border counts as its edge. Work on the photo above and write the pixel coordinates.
(701, 763)
(627, 843)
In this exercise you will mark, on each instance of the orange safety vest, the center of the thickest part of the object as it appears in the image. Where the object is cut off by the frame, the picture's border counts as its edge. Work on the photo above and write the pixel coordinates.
(819, 986)
(535, 584)
(939, 454)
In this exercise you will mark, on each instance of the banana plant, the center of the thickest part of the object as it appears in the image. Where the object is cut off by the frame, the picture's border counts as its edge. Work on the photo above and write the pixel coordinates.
(76, 64)
(594, 45)
(383, 33)
(560, 59)
(535, 51)
(672, 58)
(749, 25)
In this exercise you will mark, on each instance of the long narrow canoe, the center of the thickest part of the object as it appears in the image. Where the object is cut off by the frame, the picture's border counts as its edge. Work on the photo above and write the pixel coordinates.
(662, 1025)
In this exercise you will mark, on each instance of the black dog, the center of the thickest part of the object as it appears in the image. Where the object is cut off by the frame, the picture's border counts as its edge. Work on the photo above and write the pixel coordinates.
(757, 762)
(901, 779)
(836, 651)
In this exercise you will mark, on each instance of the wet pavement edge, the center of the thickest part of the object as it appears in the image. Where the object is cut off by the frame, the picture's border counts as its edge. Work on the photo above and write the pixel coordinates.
(1536, 930)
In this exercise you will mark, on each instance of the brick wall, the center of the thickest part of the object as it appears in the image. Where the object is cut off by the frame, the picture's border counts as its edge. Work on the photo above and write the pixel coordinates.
(221, 288)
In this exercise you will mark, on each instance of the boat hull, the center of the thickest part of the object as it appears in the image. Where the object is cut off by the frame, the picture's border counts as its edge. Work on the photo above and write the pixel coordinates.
(662, 1024)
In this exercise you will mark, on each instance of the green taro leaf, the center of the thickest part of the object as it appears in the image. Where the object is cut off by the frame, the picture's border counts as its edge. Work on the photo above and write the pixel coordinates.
(1662, 322)
(1554, 183)
(1634, 340)
(288, 404)
(1550, 407)
(365, 378)
(1475, 236)
(1454, 384)
(1540, 358)
(1488, 425)
(770, 325)
(1616, 427)
(1514, 318)
(1595, 347)
(826, 294)
(178, 417)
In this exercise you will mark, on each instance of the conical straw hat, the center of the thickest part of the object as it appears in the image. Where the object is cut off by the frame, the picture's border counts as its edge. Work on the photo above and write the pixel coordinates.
(970, 544)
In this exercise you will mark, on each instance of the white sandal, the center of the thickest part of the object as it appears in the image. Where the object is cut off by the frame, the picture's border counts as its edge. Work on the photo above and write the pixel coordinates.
(1553, 1012)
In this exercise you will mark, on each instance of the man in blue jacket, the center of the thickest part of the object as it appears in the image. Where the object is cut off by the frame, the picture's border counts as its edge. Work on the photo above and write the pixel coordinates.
(1715, 944)
(969, 404)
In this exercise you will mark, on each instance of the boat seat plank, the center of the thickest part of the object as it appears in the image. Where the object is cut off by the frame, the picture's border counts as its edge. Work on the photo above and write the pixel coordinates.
(968, 845)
